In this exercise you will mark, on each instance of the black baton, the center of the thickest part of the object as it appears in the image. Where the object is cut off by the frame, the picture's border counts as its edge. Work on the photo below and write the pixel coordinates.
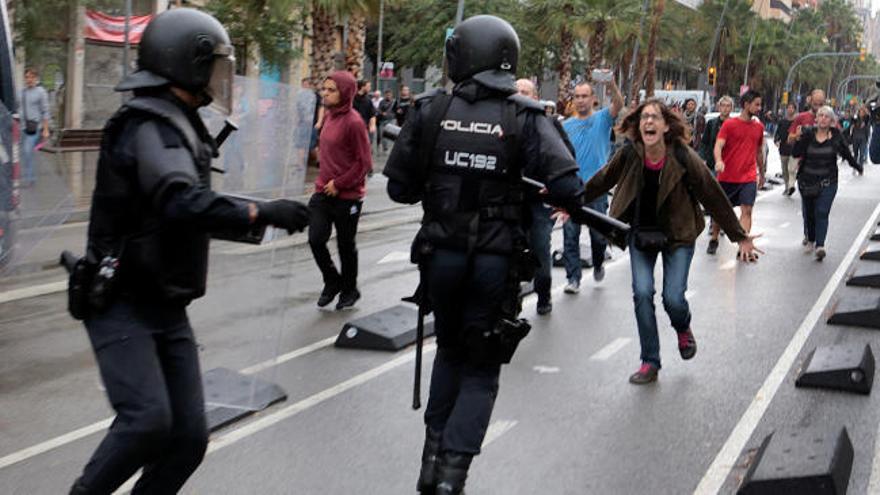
(417, 379)
(228, 128)
(613, 229)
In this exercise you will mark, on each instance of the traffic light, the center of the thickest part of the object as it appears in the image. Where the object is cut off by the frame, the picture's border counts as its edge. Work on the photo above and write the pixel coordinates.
(862, 54)
(785, 97)
(711, 76)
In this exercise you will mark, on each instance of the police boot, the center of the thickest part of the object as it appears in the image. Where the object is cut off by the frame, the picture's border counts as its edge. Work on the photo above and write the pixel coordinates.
(430, 455)
(452, 472)
(78, 488)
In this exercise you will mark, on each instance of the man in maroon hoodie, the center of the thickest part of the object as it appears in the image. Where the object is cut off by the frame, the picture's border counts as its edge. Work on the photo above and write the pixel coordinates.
(345, 159)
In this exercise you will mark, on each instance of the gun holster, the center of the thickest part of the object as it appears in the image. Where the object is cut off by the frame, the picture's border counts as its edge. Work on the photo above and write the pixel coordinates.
(81, 273)
(506, 336)
(498, 344)
(90, 286)
(420, 253)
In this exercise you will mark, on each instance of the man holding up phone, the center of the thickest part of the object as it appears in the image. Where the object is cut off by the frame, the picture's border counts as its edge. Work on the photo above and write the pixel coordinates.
(590, 133)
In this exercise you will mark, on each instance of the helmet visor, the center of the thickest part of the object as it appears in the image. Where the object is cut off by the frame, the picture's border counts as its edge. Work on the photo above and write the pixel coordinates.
(220, 85)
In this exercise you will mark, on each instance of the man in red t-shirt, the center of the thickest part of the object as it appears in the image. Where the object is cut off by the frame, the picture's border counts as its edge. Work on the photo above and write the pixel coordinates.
(808, 118)
(739, 157)
(804, 119)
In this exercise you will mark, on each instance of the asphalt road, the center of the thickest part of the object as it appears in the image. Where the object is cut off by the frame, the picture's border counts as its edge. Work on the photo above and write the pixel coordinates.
(566, 420)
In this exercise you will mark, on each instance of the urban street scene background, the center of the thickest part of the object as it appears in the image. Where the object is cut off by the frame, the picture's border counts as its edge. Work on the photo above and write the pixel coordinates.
(764, 308)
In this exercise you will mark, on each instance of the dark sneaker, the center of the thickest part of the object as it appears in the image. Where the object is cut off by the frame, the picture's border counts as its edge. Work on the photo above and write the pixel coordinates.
(544, 307)
(687, 345)
(713, 246)
(789, 191)
(599, 273)
(820, 253)
(327, 296)
(647, 373)
(348, 298)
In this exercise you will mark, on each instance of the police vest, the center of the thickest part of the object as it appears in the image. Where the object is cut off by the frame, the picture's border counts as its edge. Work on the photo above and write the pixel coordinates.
(474, 195)
(159, 260)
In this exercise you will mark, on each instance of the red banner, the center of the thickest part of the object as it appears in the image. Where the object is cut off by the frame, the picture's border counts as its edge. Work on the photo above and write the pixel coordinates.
(103, 27)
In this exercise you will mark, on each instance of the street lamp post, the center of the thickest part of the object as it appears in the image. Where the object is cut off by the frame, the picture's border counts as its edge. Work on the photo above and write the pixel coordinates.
(379, 51)
(715, 38)
(459, 12)
(125, 43)
(841, 87)
(788, 81)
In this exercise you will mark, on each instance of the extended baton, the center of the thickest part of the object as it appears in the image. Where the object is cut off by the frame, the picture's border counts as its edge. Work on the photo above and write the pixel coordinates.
(613, 229)
(420, 338)
(616, 231)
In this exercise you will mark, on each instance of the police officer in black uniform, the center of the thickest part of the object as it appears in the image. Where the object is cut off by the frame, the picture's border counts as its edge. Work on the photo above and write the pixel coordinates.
(463, 156)
(152, 214)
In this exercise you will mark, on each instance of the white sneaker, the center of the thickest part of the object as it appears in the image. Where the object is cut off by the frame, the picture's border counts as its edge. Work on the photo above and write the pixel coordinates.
(820, 253)
(573, 287)
(808, 246)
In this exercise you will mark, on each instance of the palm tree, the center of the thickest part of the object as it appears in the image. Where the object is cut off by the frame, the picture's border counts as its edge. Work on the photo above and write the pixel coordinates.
(559, 23)
(650, 73)
(602, 16)
(323, 41)
(325, 14)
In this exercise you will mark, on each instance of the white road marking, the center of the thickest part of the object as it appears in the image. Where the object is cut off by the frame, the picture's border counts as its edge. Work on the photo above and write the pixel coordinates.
(48, 445)
(784, 225)
(496, 429)
(394, 256)
(287, 357)
(689, 294)
(874, 482)
(32, 291)
(263, 422)
(609, 350)
(726, 459)
(545, 369)
(730, 265)
(85, 431)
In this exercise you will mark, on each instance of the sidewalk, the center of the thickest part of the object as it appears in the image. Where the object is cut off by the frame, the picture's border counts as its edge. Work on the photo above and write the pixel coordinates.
(54, 216)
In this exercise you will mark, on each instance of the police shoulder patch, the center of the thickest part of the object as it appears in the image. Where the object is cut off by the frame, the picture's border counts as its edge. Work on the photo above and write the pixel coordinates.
(170, 136)
(524, 102)
(427, 95)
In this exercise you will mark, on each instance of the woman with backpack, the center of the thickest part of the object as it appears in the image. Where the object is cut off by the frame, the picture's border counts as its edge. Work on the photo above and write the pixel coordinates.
(661, 183)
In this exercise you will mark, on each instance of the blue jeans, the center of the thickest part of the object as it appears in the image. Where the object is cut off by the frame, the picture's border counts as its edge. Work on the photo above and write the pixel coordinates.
(816, 211)
(28, 143)
(539, 241)
(571, 243)
(676, 265)
(860, 151)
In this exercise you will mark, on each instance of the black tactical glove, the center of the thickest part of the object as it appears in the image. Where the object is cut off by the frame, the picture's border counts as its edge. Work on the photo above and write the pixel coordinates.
(292, 216)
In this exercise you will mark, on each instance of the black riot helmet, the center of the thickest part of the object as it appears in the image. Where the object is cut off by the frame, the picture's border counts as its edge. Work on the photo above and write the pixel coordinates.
(485, 48)
(189, 49)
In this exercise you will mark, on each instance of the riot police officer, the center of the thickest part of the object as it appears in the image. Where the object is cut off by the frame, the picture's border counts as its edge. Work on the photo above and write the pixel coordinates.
(463, 156)
(152, 214)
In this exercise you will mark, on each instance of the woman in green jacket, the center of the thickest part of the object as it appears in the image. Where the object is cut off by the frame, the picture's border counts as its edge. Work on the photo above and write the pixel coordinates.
(660, 185)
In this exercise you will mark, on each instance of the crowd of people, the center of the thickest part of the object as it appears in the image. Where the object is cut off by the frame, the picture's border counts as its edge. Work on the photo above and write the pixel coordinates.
(461, 153)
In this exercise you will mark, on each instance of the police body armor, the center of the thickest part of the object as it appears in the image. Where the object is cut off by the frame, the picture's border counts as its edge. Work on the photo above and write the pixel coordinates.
(473, 199)
(158, 260)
